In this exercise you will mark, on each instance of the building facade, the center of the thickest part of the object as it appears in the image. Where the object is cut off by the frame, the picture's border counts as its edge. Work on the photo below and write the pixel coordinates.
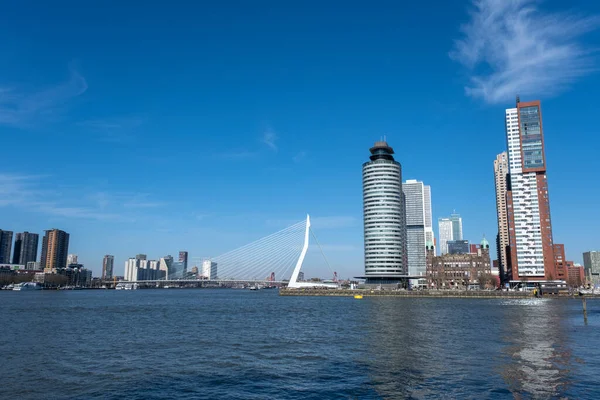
(445, 232)
(26, 247)
(183, 259)
(591, 264)
(209, 270)
(419, 230)
(502, 241)
(5, 246)
(527, 200)
(107, 267)
(72, 259)
(55, 248)
(460, 271)
(384, 216)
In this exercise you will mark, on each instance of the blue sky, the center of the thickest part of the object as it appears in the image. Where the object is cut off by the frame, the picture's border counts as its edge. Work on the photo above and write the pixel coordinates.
(197, 126)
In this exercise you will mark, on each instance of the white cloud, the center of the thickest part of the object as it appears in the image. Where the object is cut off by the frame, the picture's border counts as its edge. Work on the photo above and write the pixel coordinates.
(513, 47)
(21, 108)
(269, 138)
(299, 157)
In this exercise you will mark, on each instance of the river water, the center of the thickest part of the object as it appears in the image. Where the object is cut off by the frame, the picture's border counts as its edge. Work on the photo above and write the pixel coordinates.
(239, 344)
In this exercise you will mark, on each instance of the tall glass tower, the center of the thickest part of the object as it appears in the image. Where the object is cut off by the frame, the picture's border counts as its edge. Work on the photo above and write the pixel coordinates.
(384, 217)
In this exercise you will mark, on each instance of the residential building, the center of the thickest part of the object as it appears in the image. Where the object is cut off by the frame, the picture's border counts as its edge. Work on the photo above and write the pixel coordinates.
(527, 199)
(419, 230)
(451, 271)
(55, 248)
(560, 263)
(26, 247)
(445, 233)
(459, 247)
(501, 174)
(141, 269)
(209, 269)
(384, 217)
(33, 266)
(107, 267)
(591, 263)
(5, 246)
(576, 275)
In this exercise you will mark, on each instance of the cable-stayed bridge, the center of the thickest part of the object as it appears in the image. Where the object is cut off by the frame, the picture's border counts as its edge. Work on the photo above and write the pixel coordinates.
(276, 258)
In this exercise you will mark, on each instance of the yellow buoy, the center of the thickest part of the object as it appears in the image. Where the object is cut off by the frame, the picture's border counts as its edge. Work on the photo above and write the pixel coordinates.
(358, 296)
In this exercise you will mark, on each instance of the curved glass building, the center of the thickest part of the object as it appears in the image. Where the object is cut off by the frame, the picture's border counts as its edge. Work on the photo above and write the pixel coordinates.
(384, 217)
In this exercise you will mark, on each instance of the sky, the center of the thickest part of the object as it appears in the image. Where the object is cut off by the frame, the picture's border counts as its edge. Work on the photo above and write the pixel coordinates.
(203, 126)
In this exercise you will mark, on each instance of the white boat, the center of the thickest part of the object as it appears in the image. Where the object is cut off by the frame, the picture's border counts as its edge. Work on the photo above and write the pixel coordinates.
(126, 286)
(27, 286)
(586, 292)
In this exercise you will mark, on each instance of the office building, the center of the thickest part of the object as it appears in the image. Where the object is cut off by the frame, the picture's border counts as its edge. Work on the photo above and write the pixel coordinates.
(71, 259)
(107, 267)
(445, 232)
(384, 217)
(55, 248)
(457, 232)
(183, 259)
(591, 264)
(141, 269)
(209, 269)
(459, 247)
(5, 246)
(419, 230)
(502, 240)
(26, 247)
(527, 199)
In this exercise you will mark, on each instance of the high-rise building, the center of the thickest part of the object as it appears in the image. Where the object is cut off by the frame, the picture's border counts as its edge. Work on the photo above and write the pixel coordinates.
(457, 232)
(527, 200)
(5, 246)
(384, 217)
(26, 247)
(419, 230)
(459, 247)
(209, 269)
(107, 267)
(71, 259)
(183, 259)
(591, 264)
(55, 248)
(445, 232)
(502, 240)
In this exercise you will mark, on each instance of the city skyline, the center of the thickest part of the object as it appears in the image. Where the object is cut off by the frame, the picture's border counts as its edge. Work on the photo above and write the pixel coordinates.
(244, 125)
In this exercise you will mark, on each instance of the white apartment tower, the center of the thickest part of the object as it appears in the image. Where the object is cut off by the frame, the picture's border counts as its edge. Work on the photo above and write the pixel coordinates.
(384, 216)
(446, 234)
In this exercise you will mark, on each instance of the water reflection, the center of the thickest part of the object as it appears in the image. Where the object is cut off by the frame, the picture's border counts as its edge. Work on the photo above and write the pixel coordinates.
(538, 354)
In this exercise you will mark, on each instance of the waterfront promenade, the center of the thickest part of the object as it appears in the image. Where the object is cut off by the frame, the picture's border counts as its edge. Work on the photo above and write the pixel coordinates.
(485, 294)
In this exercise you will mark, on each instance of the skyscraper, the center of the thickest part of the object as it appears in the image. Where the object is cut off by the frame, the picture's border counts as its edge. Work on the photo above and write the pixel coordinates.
(107, 267)
(183, 259)
(26, 247)
(5, 246)
(502, 241)
(71, 259)
(55, 247)
(445, 232)
(457, 233)
(528, 204)
(384, 216)
(591, 263)
(419, 230)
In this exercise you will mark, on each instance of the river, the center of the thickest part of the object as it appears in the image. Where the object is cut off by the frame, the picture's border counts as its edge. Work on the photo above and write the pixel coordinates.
(239, 344)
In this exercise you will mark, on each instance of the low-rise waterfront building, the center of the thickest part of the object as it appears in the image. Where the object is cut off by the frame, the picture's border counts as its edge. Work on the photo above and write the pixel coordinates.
(460, 271)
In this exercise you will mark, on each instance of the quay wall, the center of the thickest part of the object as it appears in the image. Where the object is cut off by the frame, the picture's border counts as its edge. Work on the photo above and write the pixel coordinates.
(483, 294)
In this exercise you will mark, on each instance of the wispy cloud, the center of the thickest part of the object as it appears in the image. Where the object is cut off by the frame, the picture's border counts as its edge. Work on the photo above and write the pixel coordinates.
(513, 47)
(299, 157)
(25, 191)
(270, 138)
(116, 129)
(23, 108)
